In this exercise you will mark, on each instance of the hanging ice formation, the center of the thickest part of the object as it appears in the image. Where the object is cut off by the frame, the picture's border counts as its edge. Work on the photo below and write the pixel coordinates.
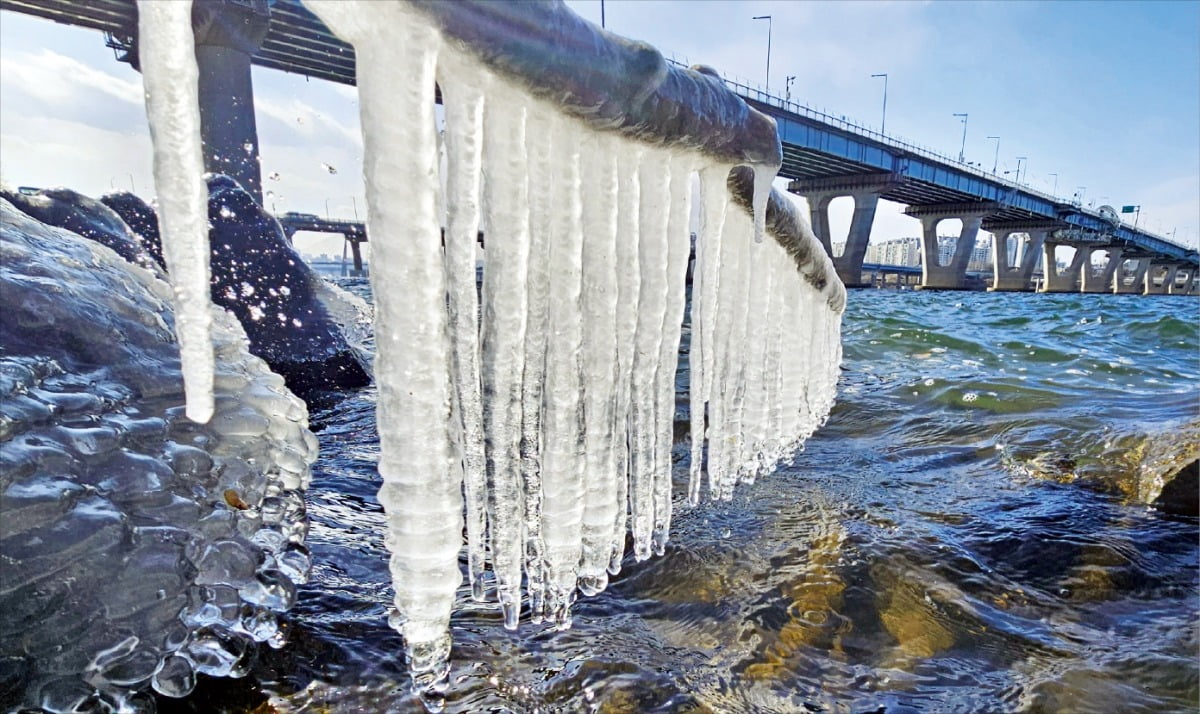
(547, 420)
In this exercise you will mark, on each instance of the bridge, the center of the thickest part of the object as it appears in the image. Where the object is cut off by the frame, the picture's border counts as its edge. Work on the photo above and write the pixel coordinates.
(823, 158)
(353, 232)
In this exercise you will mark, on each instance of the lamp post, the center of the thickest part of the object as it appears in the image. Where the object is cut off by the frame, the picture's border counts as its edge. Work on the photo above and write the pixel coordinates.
(962, 150)
(1079, 190)
(883, 123)
(769, 23)
(788, 83)
(1054, 191)
(602, 13)
(327, 209)
(1019, 160)
(996, 158)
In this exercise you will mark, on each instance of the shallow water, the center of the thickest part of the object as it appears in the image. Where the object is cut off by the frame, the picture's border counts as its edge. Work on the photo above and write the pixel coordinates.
(968, 533)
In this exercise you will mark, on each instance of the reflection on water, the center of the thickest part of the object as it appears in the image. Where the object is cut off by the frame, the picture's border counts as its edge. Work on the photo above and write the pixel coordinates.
(968, 533)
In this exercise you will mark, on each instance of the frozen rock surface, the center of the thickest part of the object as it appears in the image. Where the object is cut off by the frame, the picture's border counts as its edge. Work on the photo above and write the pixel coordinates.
(137, 548)
(87, 217)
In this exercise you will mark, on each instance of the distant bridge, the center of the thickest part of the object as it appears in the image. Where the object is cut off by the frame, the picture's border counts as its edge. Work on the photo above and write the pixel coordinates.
(353, 232)
(824, 157)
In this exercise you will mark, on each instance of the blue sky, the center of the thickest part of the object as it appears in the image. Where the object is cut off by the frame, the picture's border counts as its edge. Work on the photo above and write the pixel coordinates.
(1104, 94)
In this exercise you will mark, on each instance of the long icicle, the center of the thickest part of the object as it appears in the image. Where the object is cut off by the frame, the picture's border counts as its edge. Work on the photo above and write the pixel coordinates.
(654, 182)
(599, 185)
(170, 76)
(563, 462)
(464, 158)
(421, 492)
(629, 282)
(714, 198)
(679, 210)
(541, 239)
(505, 309)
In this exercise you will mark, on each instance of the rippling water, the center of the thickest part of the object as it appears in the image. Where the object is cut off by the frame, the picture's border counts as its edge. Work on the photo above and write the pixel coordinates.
(968, 533)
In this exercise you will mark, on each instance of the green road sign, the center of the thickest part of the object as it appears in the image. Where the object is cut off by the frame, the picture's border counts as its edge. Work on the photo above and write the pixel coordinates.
(1128, 209)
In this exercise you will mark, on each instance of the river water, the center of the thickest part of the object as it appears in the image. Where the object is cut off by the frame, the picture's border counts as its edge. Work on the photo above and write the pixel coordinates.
(968, 533)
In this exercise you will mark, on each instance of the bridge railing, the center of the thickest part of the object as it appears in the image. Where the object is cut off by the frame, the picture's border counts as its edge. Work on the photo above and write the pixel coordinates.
(758, 93)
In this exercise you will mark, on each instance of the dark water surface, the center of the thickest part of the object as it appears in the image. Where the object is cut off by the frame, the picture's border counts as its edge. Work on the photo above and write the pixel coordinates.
(968, 533)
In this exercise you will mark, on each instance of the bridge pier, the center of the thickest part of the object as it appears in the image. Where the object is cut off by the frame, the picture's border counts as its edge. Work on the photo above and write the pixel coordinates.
(1018, 276)
(227, 36)
(865, 190)
(1100, 281)
(953, 276)
(1165, 271)
(1181, 287)
(1066, 281)
(1137, 282)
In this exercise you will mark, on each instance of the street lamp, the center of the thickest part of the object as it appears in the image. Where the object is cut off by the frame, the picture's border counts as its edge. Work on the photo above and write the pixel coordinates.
(1019, 160)
(788, 82)
(1054, 191)
(883, 124)
(996, 159)
(769, 23)
(962, 150)
(1079, 190)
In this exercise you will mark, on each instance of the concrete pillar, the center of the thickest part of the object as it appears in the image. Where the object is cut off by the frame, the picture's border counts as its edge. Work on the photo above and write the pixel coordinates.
(227, 36)
(1137, 283)
(849, 263)
(818, 213)
(356, 250)
(1068, 280)
(1101, 281)
(1166, 271)
(954, 275)
(1016, 277)
(1175, 288)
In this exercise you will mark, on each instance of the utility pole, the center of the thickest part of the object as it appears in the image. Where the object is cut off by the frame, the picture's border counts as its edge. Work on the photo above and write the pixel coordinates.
(962, 150)
(769, 23)
(883, 123)
(996, 159)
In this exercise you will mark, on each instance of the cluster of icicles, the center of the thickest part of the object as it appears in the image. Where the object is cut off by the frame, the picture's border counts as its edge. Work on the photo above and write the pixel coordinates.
(543, 411)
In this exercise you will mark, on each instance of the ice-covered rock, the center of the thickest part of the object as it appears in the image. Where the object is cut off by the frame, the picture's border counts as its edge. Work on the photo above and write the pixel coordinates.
(137, 547)
(260, 278)
(141, 219)
(87, 217)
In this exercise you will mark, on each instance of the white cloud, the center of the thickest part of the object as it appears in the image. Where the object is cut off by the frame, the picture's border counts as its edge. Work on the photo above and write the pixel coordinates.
(60, 80)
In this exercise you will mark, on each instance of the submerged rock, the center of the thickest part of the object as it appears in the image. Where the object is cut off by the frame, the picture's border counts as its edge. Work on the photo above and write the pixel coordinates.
(137, 548)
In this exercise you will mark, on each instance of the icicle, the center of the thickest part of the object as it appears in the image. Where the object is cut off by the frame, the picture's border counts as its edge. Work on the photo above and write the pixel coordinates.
(753, 360)
(726, 446)
(464, 146)
(505, 310)
(170, 77)
(714, 198)
(563, 462)
(599, 181)
(541, 238)
(654, 183)
(421, 492)
(779, 267)
(763, 176)
(679, 209)
(628, 286)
